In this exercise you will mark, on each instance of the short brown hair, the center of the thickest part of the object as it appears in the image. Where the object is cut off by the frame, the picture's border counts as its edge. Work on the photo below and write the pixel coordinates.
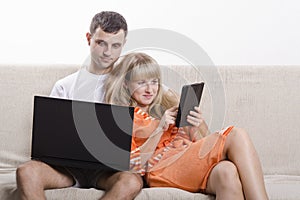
(108, 21)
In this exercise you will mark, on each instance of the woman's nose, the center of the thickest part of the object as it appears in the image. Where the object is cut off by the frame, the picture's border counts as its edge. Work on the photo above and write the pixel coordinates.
(148, 87)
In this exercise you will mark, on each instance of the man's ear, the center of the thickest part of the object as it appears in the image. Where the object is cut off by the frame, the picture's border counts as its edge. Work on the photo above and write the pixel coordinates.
(88, 38)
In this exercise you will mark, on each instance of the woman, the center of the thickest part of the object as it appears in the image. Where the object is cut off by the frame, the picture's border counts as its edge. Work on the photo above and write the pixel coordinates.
(172, 157)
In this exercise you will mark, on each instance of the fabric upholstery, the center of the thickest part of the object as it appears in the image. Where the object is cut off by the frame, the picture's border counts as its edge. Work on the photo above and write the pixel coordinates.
(264, 100)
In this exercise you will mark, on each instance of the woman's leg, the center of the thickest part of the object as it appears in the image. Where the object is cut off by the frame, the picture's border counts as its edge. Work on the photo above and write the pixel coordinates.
(240, 150)
(224, 182)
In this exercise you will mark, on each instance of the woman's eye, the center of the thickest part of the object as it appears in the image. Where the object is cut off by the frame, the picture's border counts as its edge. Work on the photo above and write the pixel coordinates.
(141, 82)
(154, 82)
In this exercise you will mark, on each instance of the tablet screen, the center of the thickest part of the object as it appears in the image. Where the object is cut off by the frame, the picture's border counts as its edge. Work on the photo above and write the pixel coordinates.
(190, 97)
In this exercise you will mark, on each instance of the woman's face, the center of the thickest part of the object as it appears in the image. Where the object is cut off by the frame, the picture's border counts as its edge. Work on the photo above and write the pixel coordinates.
(143, 91)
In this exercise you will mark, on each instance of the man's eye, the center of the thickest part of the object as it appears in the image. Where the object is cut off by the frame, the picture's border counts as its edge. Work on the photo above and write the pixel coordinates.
(101, 43)
(116, 46)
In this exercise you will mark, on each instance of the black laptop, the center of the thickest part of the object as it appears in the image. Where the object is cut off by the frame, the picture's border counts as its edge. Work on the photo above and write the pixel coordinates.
(81, 134)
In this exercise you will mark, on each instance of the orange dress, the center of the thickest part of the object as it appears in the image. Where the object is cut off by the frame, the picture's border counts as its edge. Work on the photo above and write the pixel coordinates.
(178, 161)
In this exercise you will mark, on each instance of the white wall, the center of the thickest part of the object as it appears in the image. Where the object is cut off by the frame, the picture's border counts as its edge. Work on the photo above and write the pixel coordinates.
(250, 32)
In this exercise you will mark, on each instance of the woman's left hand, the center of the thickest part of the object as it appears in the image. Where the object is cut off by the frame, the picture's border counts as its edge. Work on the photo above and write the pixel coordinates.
(195, 117)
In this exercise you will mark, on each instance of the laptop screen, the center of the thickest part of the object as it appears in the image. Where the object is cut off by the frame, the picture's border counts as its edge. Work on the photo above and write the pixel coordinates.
(81, 134)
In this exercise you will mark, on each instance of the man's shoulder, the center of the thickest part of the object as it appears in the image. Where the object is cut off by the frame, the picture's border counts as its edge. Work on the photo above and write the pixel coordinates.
(69, 79)
(63, 87)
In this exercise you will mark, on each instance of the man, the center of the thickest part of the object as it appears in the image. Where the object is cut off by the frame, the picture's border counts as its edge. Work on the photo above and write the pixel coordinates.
(106, 39)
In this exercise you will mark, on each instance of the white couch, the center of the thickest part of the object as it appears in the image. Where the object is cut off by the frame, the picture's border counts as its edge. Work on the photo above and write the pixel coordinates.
(264, 100)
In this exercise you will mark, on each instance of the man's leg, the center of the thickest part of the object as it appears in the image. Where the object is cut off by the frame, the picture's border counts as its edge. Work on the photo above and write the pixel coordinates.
(224, 182)
(34, 177)
(120, 185)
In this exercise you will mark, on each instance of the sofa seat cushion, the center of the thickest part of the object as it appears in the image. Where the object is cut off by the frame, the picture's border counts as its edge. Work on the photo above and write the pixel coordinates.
(146, 194)
(8, 185)
(283, 187)
(278, 187)
(8, 191)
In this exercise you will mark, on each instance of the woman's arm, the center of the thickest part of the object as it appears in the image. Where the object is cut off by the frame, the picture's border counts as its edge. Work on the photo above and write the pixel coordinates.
(148, 148)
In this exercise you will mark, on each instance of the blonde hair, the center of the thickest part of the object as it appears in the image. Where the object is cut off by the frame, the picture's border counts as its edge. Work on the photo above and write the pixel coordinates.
(132, 67)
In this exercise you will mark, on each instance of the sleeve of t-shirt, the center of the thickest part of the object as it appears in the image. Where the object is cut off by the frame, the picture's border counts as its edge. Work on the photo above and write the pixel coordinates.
(57, 91)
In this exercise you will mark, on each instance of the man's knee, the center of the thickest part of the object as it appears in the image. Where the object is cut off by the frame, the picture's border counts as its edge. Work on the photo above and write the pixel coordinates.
(131, 181)
(27, 171)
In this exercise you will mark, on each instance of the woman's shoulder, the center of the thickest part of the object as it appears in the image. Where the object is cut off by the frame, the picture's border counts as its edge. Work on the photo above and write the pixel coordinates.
(140, 114)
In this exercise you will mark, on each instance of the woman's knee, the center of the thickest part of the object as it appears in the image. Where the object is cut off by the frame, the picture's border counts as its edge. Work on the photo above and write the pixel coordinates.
(239, 133)
(238, 137)
(227, 177)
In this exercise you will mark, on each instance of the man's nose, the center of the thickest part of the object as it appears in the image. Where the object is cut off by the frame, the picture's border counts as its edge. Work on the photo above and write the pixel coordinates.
(107, 51)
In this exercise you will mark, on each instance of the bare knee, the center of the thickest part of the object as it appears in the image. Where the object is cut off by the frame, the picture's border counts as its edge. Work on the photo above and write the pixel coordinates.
(239, 133)
(121, 185)
(28, 172)
(226, 178)
(28, 183)
(238, 138)
(130, 181)
(41, 175)
(228, 175)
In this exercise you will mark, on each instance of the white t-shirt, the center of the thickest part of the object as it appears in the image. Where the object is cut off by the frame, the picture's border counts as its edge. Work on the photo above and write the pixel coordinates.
(81, 85)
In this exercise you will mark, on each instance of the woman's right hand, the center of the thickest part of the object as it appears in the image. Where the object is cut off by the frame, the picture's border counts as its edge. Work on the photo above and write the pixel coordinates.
(168, 118)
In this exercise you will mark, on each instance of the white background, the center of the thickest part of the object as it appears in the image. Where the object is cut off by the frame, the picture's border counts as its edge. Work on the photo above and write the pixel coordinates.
(232, 32)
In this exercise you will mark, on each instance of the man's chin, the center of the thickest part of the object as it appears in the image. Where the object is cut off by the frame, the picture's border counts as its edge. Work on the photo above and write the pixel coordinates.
(104, 65)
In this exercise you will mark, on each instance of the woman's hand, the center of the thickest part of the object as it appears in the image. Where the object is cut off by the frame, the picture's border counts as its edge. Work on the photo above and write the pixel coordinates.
(195, 117)
(199, 127)
(168, 118)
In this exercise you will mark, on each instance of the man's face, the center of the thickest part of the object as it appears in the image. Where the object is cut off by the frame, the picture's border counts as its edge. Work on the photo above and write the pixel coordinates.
(105, 48)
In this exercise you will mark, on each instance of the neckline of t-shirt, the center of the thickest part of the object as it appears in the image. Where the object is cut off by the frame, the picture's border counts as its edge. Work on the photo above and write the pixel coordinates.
(94, 75)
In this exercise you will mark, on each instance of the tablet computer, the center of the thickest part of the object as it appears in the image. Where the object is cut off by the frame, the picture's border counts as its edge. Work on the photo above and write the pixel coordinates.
(190, 97)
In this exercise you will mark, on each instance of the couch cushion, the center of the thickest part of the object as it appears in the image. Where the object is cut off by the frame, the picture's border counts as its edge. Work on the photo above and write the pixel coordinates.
(278, 187)
(283, 187)
(146, 194)
(8, 191)
(8, 185)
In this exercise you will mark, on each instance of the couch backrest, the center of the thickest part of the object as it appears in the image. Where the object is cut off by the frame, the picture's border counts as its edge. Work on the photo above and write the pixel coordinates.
(264, 100)
(18, 85)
